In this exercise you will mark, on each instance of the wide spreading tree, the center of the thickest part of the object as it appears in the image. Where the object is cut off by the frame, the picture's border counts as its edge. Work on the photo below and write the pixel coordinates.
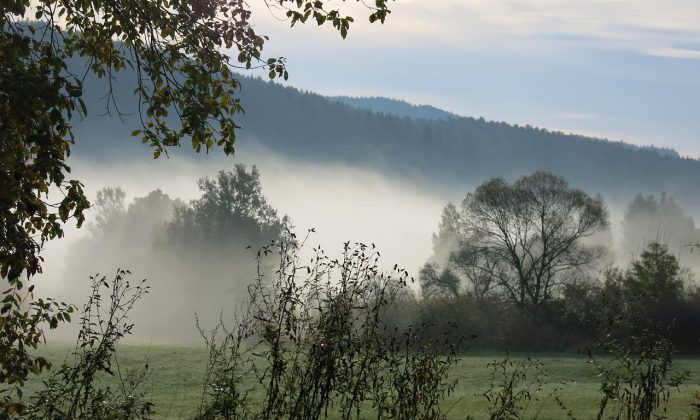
(524, 240)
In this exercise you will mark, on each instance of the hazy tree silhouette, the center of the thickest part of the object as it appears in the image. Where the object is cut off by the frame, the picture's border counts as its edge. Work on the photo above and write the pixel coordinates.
(648, 220)
(232, 209)
(526, 237)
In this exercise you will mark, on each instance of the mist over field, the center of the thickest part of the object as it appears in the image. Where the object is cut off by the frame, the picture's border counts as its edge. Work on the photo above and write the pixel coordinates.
(390, 192)
(341, 202)
(372, 170)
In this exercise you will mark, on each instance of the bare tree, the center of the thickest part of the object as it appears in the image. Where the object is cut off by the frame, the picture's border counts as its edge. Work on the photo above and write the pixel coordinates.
(525, 237)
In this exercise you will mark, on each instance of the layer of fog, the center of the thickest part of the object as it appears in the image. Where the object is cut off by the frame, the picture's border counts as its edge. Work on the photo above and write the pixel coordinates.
(342, 203)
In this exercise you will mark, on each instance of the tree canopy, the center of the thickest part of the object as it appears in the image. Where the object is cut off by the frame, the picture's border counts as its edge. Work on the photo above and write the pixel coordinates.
(525, 239)
(232, 209)
(656, 276)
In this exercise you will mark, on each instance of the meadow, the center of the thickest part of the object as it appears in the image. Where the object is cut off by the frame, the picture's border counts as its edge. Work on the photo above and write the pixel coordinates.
(176, 374)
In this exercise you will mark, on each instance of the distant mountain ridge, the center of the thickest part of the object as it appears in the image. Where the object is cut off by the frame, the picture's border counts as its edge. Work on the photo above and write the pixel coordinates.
(401, 108)
(456, 152)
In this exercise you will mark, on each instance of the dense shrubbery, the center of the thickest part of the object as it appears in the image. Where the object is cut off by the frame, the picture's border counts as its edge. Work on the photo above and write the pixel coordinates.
(654, 287)
(515, 265)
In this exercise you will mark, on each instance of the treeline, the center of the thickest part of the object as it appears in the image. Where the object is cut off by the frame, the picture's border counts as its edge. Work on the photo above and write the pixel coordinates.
(528, 266)
(394, 107)
(454, 151)
(198, 256)
(652, 290)
(400, 108)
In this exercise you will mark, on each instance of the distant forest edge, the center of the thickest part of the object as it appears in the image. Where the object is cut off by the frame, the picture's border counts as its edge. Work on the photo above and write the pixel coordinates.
(379, 134)
(401, 108)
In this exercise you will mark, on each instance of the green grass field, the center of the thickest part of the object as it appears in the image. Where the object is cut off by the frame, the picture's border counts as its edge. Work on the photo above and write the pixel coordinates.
(175, 382)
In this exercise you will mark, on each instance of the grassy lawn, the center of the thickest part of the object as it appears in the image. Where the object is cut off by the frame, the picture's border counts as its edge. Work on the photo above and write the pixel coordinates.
(174, 385)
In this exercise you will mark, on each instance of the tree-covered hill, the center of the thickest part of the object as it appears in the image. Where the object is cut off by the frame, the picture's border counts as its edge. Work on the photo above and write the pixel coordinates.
(453, 151)
(401, 108)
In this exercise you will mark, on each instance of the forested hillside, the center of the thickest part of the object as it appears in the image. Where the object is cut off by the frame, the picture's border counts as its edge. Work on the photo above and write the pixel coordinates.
(454, 151)
(401, 108)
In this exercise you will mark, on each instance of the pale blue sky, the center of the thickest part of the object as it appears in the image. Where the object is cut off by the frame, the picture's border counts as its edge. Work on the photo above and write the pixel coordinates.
(622, 69)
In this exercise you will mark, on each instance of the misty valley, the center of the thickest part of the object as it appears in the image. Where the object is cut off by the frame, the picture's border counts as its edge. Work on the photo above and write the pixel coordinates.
(462, 308)
(184, 234)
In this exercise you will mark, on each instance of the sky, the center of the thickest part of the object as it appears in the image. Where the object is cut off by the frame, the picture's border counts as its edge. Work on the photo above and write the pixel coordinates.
(619, 69)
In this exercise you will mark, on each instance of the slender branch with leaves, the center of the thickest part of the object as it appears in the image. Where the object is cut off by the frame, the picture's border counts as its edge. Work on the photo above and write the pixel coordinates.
(314, 340)
(75, 390)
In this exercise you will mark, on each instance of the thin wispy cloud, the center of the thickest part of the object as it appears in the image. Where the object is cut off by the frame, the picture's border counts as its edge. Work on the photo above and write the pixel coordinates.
(629, 24)
(647, 26)
(676, 53)
(577, 117)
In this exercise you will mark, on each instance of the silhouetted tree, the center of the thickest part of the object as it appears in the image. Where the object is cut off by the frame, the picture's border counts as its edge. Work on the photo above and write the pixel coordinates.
(477, 268)
(109, 205)
(656, 276)
(232, 209)
(446, 240)
(527, 235)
